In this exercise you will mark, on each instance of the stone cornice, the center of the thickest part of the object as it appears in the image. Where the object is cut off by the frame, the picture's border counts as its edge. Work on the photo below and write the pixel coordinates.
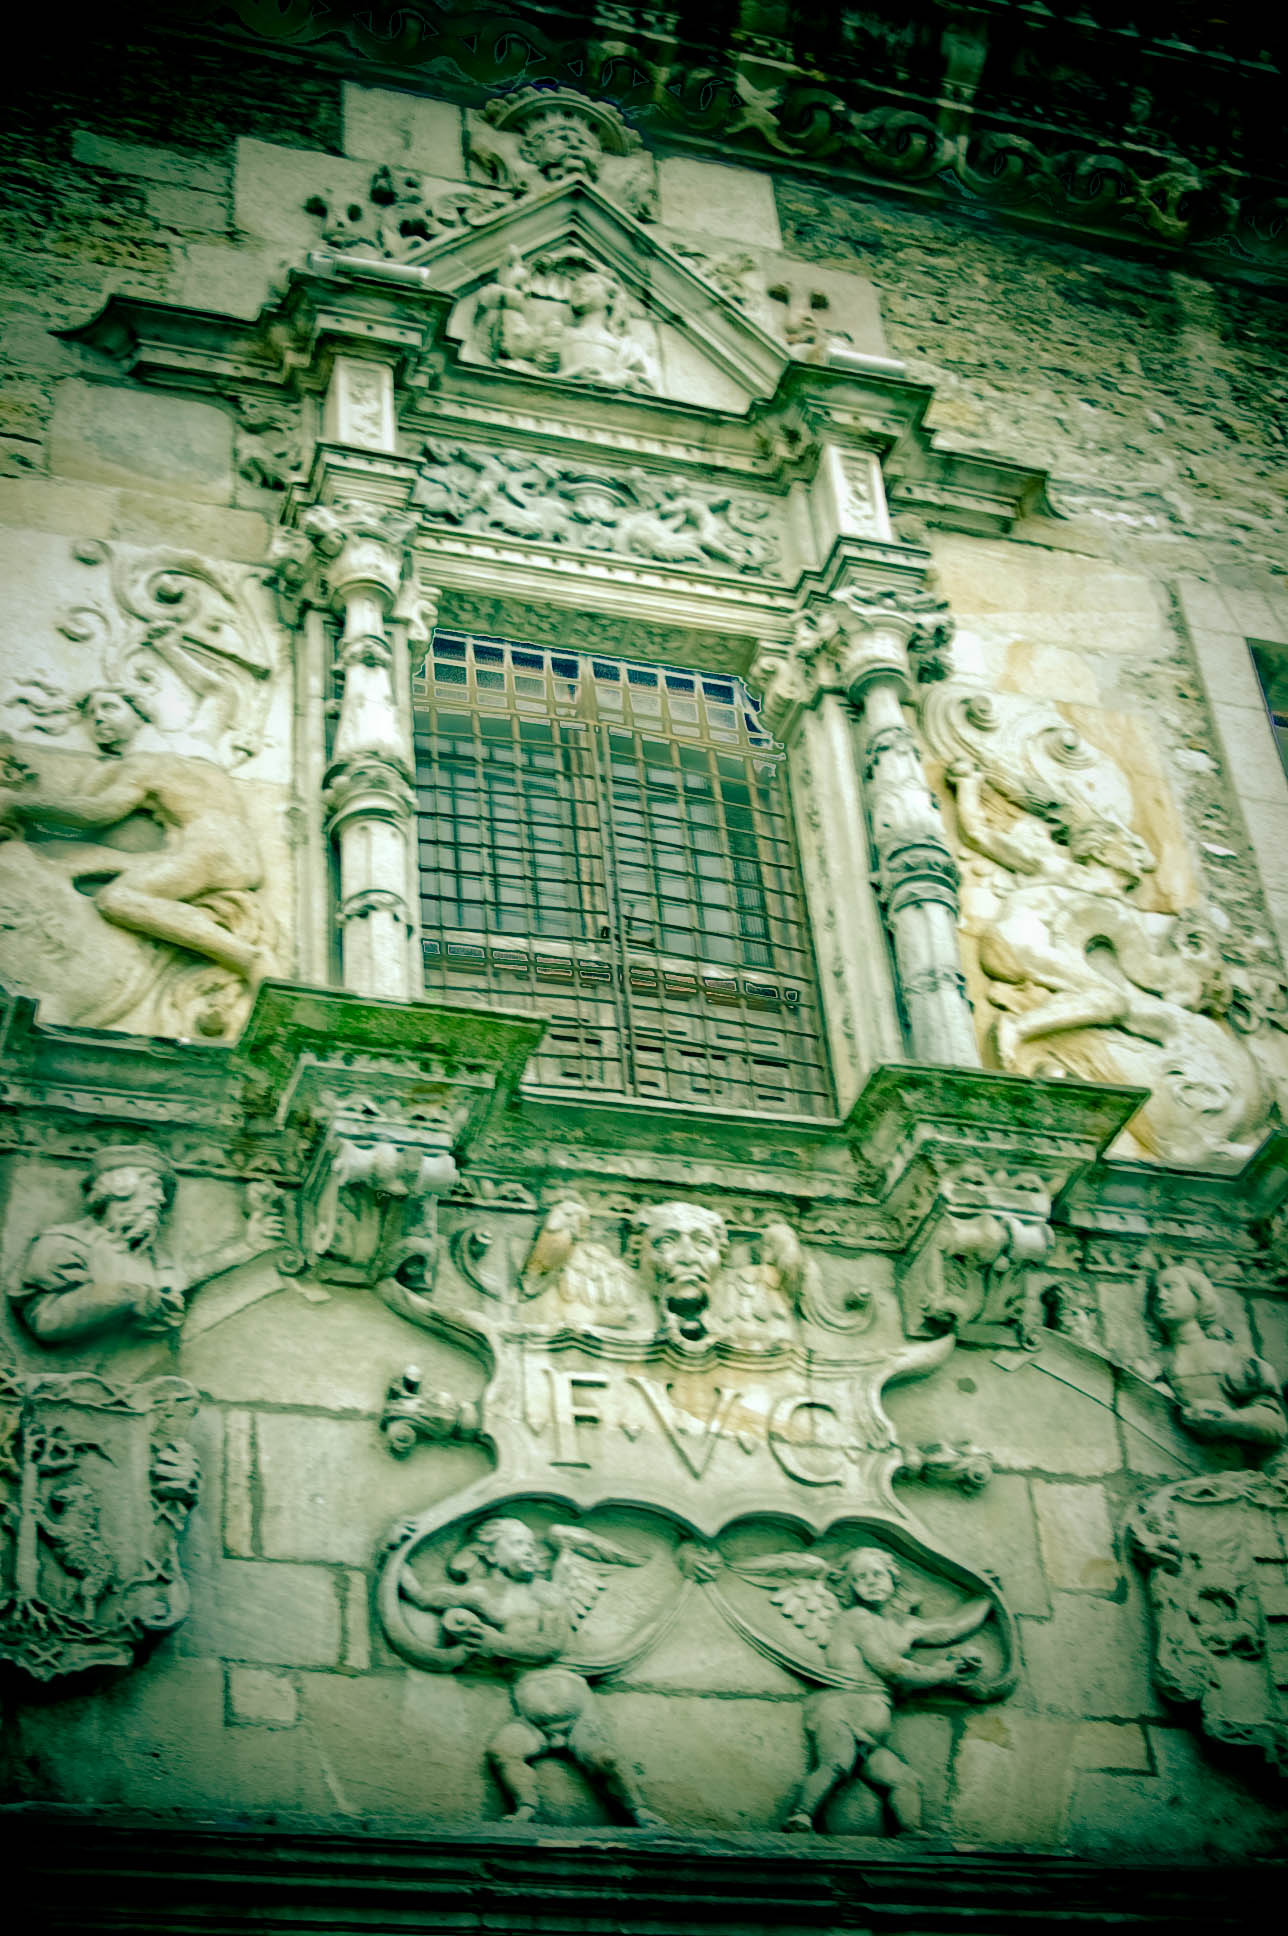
(1141, 126)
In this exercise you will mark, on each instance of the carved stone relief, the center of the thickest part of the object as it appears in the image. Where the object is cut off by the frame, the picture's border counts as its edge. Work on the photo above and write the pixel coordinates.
(1212, 1549)
(103, 1272)
(1222, 1391)
(655, 1408)
(105, 929)
(97, 1483)
(270, 443)
(402, 215)
(537, 138)
(1087, 975)
(563, 314)
(670, 520)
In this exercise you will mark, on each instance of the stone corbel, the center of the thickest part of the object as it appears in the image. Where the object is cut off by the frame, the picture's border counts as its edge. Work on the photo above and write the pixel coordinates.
(970, 1269)
(369, 1206)
(374, 1102)
(968, 1165)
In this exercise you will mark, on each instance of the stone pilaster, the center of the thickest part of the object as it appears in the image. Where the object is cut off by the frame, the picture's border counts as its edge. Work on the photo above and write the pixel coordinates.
(917, 876)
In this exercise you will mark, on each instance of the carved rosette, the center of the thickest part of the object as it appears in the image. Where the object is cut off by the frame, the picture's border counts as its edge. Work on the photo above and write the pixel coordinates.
(97, 1482)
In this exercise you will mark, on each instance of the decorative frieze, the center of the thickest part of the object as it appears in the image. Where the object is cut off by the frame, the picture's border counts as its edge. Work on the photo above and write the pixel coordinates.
(633, 514)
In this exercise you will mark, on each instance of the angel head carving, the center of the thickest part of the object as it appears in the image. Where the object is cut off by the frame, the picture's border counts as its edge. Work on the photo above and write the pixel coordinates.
(500, 1546)
(867, 1576)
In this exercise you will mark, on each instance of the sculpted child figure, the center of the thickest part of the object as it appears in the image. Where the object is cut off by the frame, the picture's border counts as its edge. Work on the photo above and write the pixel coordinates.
(849, 1727)
(513, 1602)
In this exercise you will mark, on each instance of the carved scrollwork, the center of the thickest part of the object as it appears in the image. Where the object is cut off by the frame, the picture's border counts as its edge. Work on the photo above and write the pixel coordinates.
(1087, 976)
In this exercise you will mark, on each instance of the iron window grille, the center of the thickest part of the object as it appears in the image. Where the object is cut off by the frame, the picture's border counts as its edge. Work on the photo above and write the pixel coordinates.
(611, 845)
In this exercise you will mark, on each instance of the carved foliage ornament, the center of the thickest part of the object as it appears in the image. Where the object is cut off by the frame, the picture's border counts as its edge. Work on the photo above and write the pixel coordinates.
(97, 1482)
(669, 520)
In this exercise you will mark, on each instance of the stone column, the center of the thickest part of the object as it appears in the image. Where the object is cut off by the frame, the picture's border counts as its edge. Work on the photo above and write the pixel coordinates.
(917, 877)
(368, 795)
(848, 650)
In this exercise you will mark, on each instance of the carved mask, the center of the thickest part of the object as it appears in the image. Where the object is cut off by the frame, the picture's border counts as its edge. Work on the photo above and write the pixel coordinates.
(683, 1248)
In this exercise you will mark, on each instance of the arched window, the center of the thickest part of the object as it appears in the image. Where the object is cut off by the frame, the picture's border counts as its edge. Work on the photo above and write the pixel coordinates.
(611, 845)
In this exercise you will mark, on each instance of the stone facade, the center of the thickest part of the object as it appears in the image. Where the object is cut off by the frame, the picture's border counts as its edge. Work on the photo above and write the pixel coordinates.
(412, 1453)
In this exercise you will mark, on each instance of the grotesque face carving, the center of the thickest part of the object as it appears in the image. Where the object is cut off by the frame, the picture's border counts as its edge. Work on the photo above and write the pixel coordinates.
(682, 1247)
(561, 146)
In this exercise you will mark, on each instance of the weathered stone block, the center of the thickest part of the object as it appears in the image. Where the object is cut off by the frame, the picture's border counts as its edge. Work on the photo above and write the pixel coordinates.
(1192, 1809)
(1091, 1658)
(1011, 1779)
(1077, 1538)
(711, 1764)
(996, 1527)
(110, 435)
(187, 208)
(258, 1698)
(1026, 1417)
(330, 1489)
(1111, 1745)
(405, 130)
(256, 1611)
(405, 1746)
(149, 163)
(342, 1349)
(736, 204)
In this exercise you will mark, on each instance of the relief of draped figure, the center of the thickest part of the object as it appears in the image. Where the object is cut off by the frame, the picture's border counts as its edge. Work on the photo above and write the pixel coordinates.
(1092, 965)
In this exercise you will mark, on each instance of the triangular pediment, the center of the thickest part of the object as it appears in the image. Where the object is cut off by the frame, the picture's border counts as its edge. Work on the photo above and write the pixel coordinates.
(566, 286)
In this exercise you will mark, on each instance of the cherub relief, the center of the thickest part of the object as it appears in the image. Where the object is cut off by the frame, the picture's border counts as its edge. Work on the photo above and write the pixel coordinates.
(515, 1601)
(866, 1639)
(1222, 1392)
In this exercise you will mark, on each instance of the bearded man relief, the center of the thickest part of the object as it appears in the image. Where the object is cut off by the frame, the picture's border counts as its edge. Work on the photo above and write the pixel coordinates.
(1089, 975)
